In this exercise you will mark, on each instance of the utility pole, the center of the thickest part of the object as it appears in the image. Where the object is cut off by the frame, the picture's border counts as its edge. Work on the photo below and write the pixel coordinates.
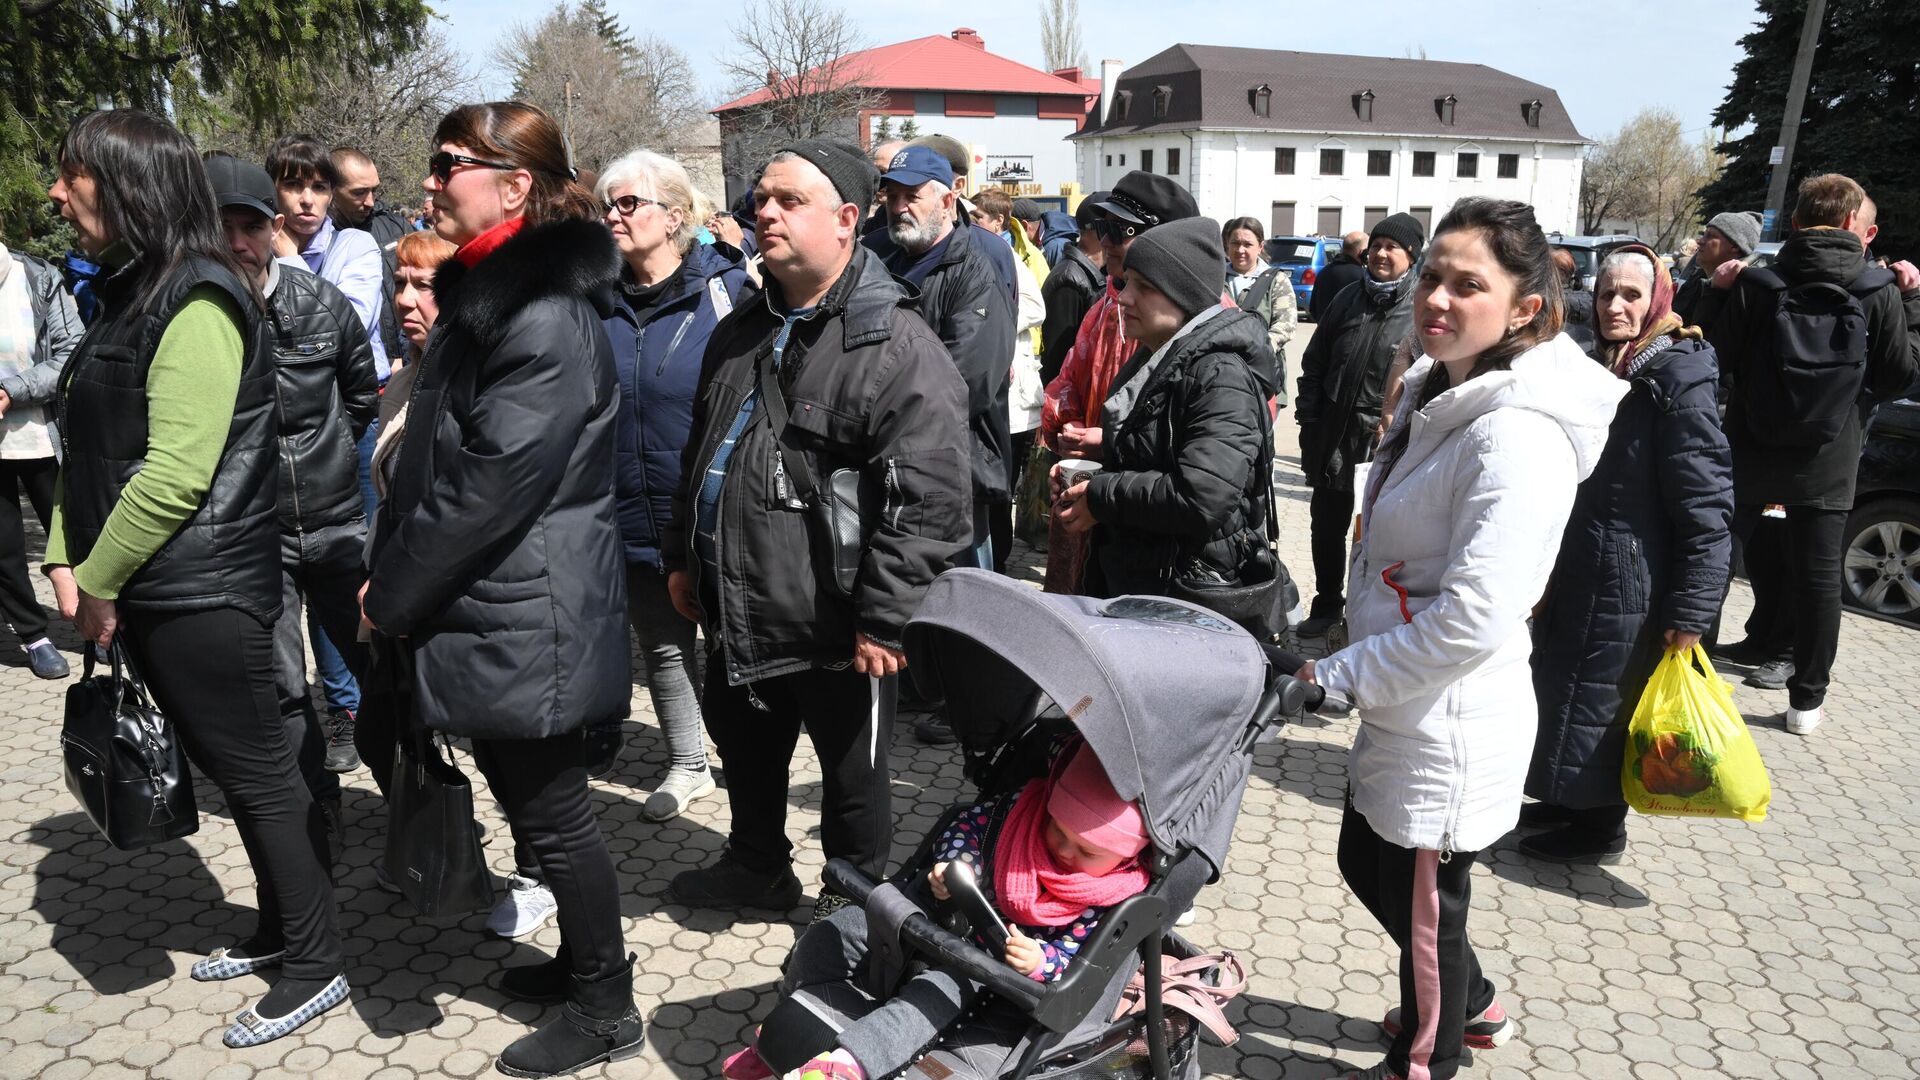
(1782, 157)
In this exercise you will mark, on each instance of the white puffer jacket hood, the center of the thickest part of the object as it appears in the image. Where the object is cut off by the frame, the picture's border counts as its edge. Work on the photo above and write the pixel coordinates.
(1459, 533)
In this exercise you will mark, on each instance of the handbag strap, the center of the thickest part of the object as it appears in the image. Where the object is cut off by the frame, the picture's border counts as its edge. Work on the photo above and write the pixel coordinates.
(1184, 988)
(767, 379)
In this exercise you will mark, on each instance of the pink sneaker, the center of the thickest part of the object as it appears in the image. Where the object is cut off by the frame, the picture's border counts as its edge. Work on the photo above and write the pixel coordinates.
(746, 1065)
(838, 1065)
(1483, 1032)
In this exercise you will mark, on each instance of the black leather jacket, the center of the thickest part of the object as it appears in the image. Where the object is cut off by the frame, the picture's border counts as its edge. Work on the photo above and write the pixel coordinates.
(326, 394)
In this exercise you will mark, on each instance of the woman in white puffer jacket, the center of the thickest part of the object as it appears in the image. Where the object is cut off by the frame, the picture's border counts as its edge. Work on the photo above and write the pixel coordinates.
(1460, 523)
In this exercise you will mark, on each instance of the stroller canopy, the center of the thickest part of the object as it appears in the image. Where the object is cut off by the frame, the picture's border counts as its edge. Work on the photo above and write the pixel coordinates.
(1160, 689)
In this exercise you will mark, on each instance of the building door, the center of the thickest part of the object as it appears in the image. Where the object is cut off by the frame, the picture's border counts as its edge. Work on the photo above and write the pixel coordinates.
(1423, 214)
(1329, 221)
(1282, 219)
(1374, 216)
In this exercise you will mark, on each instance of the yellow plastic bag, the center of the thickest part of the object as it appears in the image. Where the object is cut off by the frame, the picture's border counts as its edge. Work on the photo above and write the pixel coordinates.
(1688, 749)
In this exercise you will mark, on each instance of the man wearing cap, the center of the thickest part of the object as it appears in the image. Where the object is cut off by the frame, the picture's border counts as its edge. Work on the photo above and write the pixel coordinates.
(961, 299)
(328, 394)
(1342, 385)
(1728, 237)
(828, 370)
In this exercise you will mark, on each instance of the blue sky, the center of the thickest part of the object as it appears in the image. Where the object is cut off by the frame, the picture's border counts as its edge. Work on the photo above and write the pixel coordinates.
(1607, 58)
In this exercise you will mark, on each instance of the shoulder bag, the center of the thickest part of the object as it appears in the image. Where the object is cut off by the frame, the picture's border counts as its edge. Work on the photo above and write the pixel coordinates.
(123, 759)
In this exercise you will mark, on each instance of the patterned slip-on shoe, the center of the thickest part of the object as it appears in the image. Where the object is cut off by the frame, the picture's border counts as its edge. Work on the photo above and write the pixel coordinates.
(252, 1029)
(221, 966)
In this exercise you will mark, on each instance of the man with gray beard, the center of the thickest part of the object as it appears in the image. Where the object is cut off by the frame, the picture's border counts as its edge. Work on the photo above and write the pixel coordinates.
(962, 300)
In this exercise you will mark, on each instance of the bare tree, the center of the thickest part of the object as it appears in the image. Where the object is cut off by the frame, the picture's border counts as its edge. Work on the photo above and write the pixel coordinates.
(800, 53)
(1060, 43)
(1647, 173)
(609, 95)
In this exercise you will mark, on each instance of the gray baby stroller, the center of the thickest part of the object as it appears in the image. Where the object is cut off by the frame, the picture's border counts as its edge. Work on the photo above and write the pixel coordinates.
(1171, 698)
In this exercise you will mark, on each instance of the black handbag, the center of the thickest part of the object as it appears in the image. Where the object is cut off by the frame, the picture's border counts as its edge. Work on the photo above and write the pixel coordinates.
(840, 517)
(1263, 599)
(433, 850)
(123, 759)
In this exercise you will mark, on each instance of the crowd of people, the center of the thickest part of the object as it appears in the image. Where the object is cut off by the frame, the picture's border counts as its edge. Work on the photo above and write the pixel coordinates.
(464, 464)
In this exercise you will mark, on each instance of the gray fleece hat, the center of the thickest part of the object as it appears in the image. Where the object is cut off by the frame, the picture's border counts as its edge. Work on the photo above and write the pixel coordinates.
(1740, 226)
(1184, 260)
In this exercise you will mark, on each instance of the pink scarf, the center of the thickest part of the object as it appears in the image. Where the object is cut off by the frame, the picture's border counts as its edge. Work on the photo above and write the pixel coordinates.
(1031, 888)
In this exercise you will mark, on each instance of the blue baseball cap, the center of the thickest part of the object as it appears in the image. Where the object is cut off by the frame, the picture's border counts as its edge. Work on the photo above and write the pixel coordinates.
(915, 165)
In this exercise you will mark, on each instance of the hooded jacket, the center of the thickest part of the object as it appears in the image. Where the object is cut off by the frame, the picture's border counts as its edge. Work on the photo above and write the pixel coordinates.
(1646, 550)
(1817, 476)
(496, 553)
(868, 387)
(658, 362)
(1057, 232)
(57, 330)
(1183, 477)
(1459, 533)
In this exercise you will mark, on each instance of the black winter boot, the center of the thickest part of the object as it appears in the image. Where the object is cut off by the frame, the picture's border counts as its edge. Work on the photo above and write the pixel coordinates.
(545, 982)
(598, 1023)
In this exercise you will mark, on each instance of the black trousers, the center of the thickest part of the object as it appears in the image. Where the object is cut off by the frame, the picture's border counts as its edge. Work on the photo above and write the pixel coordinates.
(1000, 520)
(541, 785)
(211, 672)
(1807, 584)
(321, 569)
(18, 606)
(1331, 514)
(1763, 553)
(1421, 901)
(849, 718)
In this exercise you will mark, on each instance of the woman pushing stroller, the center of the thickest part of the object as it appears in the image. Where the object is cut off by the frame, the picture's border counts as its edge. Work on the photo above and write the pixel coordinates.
(1056, 855)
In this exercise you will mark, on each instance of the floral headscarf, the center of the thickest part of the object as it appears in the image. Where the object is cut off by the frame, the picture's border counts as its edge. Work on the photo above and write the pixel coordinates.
(1660, 321)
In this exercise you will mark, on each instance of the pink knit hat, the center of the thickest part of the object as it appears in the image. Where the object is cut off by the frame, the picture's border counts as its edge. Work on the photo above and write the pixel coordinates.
(1084, 802)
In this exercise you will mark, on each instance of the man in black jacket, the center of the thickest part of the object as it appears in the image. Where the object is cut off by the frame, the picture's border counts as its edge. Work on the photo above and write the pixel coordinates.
(962, 300)
(1074, 283)
(326, 394)
(1833, 223)
(1342, 384)
(1341, 271)
(828, 371)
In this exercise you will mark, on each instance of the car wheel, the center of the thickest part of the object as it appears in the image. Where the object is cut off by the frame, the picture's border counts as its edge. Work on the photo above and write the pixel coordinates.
(1880, 567)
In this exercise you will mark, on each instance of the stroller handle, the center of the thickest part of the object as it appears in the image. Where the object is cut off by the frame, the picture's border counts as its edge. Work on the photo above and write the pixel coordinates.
(1295, 695)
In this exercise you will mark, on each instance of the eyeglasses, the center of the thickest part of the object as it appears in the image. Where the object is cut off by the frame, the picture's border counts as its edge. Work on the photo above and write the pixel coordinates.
(629, 205)
(441, 165)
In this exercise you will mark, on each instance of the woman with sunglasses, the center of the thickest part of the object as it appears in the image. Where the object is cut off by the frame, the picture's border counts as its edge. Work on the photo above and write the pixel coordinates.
(496, 568)
(164, 533)
(673, 291)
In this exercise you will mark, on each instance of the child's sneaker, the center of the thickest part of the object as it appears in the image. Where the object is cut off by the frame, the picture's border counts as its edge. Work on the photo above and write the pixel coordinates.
(746, 1065)
(1484, 1032)
(838, 1065)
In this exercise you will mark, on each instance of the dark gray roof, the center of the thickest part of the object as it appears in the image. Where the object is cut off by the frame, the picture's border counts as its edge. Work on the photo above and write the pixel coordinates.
(1211, 86)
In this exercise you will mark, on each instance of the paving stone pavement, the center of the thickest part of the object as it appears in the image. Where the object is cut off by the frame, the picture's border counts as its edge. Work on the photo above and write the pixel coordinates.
(1717, 949)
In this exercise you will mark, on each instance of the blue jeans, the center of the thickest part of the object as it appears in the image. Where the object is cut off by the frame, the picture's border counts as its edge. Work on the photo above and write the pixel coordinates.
(336, 678)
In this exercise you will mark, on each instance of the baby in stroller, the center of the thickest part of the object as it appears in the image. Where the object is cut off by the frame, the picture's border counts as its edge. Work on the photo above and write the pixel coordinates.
(1059, 853)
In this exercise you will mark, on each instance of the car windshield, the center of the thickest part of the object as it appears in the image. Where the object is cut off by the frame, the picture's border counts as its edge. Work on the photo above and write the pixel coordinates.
(1290, 252)
(1585, 260)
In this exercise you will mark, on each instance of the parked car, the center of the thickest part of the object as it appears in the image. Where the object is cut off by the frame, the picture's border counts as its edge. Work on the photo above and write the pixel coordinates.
(1881, 565)
(1302, 257)
(1764, 254)
(1588, 251)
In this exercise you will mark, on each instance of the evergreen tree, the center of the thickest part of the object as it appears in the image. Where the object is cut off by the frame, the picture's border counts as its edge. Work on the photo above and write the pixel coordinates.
(1862, 115)
(610, 29)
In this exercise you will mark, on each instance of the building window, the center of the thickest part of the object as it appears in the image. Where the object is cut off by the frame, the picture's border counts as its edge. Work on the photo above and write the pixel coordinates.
(1509, 168)
(1329, 221)
(1161, 94)
(1261, 97)
(1283, 219)
(1123, 161)
(1122, 103)
(1173, 161)
(1531, 110)
(1444, 107)
(1466, 165)
(1363, 106)
(1146, 161)
(1109, 161)
(1374, 215)
(1424, 215)
(1283, 161)
(1379, 163)
(1423, 163)
(1333, 162)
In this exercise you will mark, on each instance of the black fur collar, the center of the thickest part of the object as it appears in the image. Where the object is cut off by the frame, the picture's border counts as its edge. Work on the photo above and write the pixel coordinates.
(570, 257)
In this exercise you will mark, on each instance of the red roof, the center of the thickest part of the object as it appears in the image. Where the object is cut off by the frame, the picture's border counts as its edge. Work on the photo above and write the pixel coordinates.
(942, 63)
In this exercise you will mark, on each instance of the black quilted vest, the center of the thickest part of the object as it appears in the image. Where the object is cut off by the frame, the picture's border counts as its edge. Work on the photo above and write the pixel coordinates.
(228, 553)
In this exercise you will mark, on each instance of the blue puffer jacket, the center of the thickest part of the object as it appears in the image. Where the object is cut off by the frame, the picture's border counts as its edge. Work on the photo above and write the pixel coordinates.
(1646, 551)
(659, 368)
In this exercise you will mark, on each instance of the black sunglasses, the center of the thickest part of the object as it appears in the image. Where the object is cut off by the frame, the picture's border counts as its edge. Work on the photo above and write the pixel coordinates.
(628, 205)
(441, 165)
(1115, 230)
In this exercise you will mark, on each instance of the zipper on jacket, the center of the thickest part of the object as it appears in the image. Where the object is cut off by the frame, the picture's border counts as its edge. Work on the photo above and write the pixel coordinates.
(285, 441)
(1446, 847)
(889, 511)
(780, 477)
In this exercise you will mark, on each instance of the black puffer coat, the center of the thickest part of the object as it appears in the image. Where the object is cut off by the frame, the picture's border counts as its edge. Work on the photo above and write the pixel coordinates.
(1343, 377)
(1646, 550)
(496, 553)
(1184, 476)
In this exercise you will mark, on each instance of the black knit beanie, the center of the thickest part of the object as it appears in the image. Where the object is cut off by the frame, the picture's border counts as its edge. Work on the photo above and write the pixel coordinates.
(1184, 260)
(1402, 229)
(849, 170)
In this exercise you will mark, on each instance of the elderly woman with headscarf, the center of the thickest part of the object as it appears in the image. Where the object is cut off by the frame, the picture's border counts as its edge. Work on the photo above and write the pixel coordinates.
(1642, 567)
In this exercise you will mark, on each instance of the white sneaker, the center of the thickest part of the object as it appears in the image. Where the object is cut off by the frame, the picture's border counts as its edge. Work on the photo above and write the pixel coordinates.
(526, 908)
(1185, 918)
(1803, 721)
(681, 787)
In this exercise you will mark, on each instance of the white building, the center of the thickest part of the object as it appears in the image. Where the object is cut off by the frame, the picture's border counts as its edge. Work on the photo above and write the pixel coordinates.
(1314, 143)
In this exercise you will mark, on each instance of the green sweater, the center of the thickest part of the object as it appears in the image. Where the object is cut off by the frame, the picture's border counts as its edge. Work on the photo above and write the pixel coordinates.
(191, 389)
